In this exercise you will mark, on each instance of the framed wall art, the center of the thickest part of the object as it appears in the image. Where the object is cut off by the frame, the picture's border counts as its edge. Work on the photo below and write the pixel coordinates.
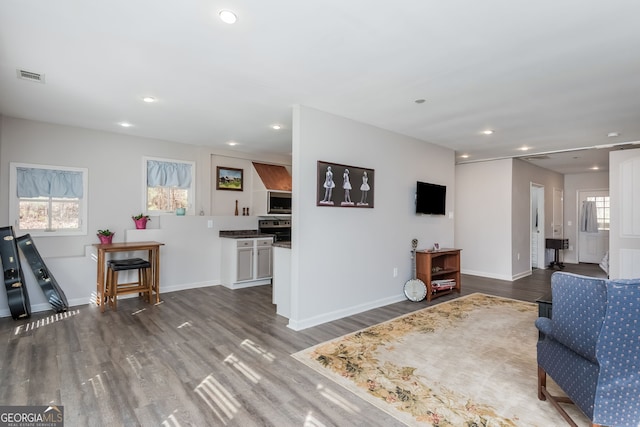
(344, 186)
(229, 179)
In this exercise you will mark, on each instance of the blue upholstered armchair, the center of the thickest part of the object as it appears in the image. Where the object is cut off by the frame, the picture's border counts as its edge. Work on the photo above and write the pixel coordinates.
(591, 348)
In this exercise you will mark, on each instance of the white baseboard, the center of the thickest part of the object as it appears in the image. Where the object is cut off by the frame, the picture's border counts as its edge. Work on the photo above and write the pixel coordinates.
(247, 284)
(486, 274)
(90, 299)
(298, 325)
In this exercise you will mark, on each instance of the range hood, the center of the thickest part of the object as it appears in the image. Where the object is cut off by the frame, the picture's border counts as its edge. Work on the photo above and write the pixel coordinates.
(274, 177)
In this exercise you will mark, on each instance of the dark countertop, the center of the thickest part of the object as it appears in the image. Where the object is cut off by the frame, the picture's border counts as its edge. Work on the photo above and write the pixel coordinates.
(286, 245)
(243, 234)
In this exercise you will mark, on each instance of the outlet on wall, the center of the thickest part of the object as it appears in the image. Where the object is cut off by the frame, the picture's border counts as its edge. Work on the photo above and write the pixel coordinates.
(395, 271)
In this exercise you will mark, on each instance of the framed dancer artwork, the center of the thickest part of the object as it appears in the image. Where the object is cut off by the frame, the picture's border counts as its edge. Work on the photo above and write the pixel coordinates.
(344, 186)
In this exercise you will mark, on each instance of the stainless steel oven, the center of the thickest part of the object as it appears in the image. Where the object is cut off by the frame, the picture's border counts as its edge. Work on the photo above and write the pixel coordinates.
(281, 228)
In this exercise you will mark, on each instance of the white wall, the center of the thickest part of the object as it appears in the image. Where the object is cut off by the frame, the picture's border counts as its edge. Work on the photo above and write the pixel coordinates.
(343, 258)
(493, 223)
(524, 174)
(624, 235)
(574, 183)
(114, 194)
(483, 218)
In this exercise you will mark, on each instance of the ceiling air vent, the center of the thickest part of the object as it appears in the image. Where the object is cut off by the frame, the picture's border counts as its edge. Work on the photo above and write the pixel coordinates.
(536, 158)
(31, 76)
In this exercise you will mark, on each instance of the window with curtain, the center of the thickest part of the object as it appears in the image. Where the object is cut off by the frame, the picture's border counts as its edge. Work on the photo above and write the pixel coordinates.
(48, 200)
(603, 211)
(169, 185)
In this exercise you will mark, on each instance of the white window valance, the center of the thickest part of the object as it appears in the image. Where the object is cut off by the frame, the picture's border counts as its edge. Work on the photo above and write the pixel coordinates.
(168, 174)
(36, 182)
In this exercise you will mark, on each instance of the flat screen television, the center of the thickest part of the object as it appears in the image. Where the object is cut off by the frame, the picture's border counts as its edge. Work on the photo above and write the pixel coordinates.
(430, 198)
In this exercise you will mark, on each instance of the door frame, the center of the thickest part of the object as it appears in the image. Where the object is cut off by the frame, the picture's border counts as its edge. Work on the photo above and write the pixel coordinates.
(579, 195)
(536, 195)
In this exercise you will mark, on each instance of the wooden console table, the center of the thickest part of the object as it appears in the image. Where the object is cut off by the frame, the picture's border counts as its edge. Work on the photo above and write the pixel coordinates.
(154, 258)
(442, 264)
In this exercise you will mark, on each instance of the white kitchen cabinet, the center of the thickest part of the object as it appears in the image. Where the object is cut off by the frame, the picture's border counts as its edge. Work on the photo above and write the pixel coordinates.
(265, 259)
(246, 262)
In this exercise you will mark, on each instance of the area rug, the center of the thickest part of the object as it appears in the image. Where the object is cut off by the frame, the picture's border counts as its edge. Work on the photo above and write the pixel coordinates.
(466, 362)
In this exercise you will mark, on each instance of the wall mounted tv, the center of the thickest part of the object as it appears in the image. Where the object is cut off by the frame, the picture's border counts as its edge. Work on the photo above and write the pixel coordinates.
(430, 198)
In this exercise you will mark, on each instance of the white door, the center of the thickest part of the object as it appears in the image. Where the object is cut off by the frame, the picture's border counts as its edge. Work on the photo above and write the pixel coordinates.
(592, 246)
(537, 226)
(558, 218)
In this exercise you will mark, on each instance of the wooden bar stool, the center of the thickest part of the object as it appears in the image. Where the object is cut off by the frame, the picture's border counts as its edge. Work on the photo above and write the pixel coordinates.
(142, 287)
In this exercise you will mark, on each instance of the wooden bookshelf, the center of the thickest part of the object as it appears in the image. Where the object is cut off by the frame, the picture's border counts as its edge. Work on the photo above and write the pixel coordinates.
(442, 264)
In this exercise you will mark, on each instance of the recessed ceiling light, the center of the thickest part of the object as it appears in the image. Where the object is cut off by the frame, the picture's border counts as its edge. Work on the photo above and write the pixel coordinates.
(232, 143)
(595, 168)
(464, 156)
(125, 124)
(149, 99)
(613, 134)
(487, 132)
(525, 148)
(420, 101)
(276, 127)
(228, 17)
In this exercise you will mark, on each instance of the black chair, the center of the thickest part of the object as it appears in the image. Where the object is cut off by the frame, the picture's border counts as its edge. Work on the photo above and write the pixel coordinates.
(141, 287)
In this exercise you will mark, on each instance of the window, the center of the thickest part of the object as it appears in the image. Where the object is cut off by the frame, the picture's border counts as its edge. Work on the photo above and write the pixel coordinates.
(168, 185)
(48, 200)
(603, 212)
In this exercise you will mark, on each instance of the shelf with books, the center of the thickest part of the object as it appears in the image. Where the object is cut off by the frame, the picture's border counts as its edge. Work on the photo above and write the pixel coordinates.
(439, 270)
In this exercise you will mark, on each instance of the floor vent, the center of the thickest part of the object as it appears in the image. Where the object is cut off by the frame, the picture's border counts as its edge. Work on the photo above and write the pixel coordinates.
(31, 76)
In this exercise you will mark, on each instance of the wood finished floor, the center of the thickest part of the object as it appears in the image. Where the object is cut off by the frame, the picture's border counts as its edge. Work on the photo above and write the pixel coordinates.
(204, 357)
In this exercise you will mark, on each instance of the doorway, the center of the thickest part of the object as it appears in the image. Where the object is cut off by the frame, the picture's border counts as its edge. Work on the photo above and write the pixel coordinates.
(593, 244)
(537, 226)
(557, 222)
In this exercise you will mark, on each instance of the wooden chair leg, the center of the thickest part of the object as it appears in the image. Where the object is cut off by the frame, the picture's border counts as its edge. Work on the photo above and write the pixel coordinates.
(144, 281)
(543, 394)
(114, 293)
(149, 283)
(542, 383)
(108, 291)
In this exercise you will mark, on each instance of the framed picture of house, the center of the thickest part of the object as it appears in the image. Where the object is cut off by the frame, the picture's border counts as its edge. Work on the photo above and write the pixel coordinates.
(344, 186)
(229, 179)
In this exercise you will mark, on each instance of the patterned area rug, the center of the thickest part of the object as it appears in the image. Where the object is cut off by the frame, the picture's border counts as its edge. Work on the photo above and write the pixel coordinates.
(466, 362)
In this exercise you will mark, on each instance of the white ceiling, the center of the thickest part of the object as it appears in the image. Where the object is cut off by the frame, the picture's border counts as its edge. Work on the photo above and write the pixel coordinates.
(549, 75)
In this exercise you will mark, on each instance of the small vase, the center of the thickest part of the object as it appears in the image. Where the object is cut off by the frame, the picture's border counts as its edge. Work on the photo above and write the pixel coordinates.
(141, 223)
(105, 240)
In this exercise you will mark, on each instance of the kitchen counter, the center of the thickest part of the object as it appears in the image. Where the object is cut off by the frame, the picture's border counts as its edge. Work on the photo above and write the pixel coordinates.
(286, 245)
(243, 234)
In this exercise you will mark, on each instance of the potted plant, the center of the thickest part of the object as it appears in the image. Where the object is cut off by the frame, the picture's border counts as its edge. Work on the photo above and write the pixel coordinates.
(141, 221)
(105, 236)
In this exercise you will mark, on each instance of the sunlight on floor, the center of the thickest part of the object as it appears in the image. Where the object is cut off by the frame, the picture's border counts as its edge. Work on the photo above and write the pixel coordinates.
(171, 420)
(248, 344)
(97, 385)
(44, 322)
(332, 396)
(185, 324)
(312, 421)
(218, 398)
(135, 365)
(243, 368)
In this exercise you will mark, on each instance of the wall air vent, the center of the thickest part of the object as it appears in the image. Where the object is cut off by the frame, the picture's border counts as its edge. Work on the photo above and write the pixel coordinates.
(31, 76)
